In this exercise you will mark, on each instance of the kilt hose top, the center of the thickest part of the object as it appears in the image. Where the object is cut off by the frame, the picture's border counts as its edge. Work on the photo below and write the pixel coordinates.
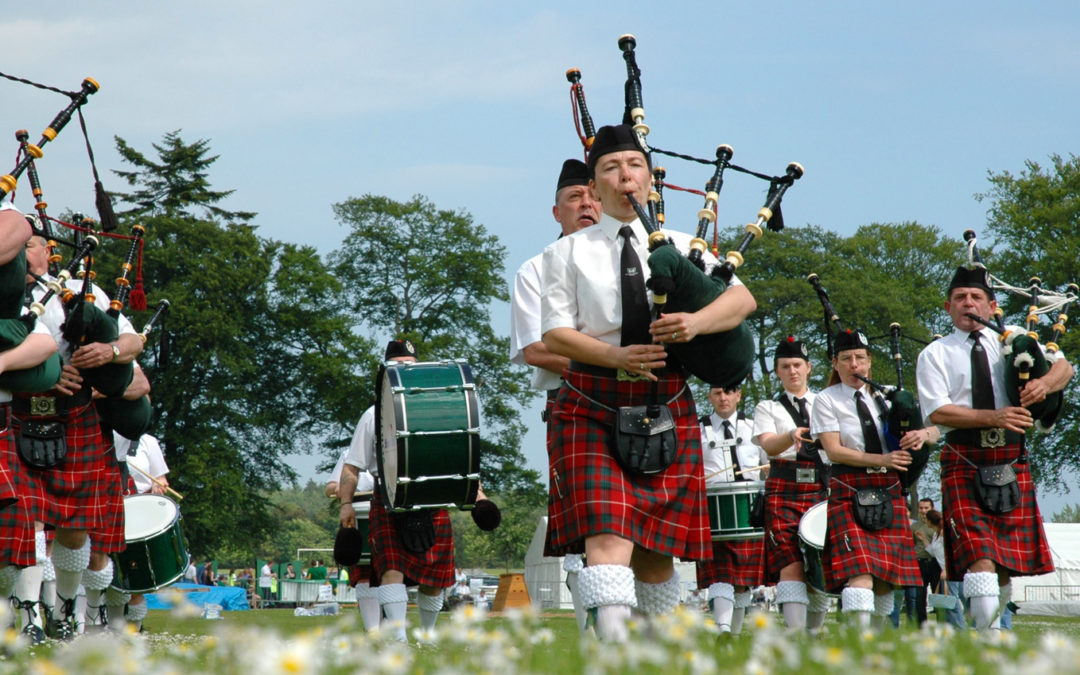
(434, 567)
(786, 502)
(591, 494)
(887, 554)
(1015, 540)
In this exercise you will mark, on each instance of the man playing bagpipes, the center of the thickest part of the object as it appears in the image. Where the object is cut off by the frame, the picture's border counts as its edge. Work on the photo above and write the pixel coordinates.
(993, 529)
(630, 515)
(574, 209)
(21, 351)
(69, 485)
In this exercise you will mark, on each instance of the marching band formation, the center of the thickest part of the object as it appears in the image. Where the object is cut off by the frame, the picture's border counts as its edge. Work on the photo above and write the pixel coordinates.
(616, 316)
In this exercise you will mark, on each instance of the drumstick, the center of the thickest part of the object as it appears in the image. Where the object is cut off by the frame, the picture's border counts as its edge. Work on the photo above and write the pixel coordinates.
(738, 473)
(155, 481)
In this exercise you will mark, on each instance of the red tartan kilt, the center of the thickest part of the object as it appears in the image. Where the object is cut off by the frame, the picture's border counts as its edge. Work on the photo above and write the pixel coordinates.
(18, 546)
(887, 554)
(589, 492)
(1015, 540)
(785, 504)
(434, 567)
(362, 574)
(110, 537)
(67, 496)
(739, 562)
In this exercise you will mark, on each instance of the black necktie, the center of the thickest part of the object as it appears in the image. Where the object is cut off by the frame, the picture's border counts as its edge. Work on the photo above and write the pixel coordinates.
(982, 386)
(805, 418)
(871, 439)
(635, 303)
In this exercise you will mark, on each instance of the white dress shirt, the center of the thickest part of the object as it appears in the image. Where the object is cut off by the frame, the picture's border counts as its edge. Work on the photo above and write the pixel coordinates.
(717, 450)
(54, 316)
(943, 372)
(834, 410)
(525, 320)
(771, 417)
(581, 278)
(148, 457)
(361, 452)
(365, 482)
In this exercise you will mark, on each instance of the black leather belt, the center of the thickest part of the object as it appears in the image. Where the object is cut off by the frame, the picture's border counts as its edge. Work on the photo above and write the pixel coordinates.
(987, 437)
(793, 471)
(552, 393)
(49, 404)
(845, 470)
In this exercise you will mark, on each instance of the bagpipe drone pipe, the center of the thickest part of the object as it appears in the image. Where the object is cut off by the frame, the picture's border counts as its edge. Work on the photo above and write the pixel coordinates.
(1024, 356)
(681, 283)
(904, 414)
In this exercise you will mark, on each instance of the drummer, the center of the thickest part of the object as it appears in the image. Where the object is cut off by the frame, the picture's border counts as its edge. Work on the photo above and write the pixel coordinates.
(595, 311)
(428, 564)
(367, 600)
(795, 483)
(868, 546)
(730, 459)
(574, 209)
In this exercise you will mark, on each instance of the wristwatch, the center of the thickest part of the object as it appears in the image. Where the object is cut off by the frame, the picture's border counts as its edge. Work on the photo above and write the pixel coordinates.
(115, 352)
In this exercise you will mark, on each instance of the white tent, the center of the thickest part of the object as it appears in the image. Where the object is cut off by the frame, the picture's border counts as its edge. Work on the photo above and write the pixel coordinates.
(1057, 593)
(546, 580)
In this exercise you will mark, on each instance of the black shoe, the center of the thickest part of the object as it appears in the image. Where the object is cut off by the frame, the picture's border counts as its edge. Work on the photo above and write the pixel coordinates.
(34, 634)
(62, 628)
(1013, 607)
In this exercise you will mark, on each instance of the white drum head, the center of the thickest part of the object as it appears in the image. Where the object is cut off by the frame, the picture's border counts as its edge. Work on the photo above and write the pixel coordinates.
(147, 515)
(813, 524)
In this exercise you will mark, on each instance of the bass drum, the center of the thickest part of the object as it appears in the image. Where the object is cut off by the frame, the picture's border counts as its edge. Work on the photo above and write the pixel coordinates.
(427, 435)
(729, 509)
(156, 553)
(812, 528)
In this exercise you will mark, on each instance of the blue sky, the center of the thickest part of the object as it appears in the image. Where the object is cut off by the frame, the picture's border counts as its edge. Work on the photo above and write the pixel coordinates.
(896, 110)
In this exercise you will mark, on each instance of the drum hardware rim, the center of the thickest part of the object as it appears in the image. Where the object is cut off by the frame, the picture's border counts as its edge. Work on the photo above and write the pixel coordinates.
(457, 476)
(428, 507)
(406, 434)
(446, 388)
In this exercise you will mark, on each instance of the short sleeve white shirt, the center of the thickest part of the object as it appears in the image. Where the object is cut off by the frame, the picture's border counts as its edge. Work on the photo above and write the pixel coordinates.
(717, 450)
(771, 417)
(835, 410)
(525, 320)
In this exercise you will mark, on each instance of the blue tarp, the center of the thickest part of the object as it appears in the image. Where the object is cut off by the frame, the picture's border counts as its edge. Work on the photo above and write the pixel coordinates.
(228, 597)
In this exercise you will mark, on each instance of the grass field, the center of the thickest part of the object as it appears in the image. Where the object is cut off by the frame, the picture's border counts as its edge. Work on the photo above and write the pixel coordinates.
(275, 641)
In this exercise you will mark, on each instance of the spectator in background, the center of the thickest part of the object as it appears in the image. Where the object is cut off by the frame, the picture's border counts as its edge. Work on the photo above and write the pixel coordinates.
(266, 579)
(928, 566)
(191, 575)
(290, 572)
(936, 548)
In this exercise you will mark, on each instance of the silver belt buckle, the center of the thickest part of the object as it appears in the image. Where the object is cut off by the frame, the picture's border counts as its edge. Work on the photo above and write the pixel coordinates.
(43, 406)
(626, 376)
(992, 438)
(805, 475)
(876, 469)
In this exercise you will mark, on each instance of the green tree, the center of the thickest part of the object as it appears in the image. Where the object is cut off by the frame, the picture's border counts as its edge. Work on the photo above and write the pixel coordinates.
(505, 546)
(1034, 220)
(260, 362)
(1069, 514)
(440, 300)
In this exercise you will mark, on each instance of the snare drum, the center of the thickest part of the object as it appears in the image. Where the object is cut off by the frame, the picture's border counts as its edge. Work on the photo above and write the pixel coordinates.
(156, 553)
(428, 435)
(729, 509)
(812, 528)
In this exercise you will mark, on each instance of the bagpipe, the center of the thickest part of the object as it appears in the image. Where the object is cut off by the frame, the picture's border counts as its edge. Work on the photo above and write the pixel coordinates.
(1023, 354)
(904, 414)
(680, 283)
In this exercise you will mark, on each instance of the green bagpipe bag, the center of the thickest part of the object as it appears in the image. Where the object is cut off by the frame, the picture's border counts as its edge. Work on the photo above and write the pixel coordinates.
(720, 359)
(41, 377)
(1024, 360)
(87, 323)
(130, 419)
(905, 415)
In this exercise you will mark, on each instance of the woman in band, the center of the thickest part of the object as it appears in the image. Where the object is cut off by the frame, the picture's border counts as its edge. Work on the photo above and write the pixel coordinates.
(595, 311)
(865, 556)
(795, 484)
